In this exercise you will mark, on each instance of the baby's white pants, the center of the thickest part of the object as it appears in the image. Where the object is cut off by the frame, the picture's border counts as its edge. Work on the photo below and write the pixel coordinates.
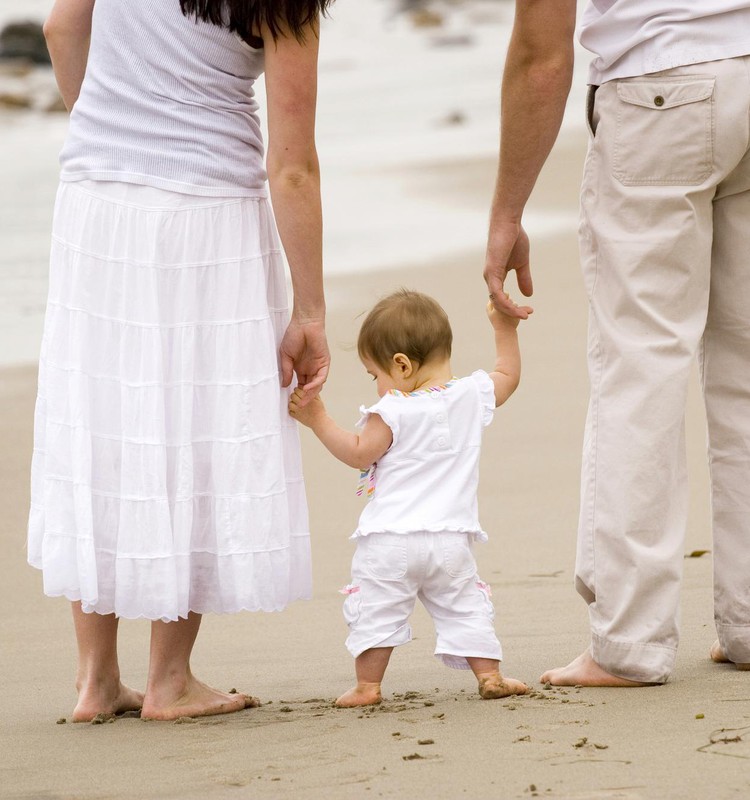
(391, 570)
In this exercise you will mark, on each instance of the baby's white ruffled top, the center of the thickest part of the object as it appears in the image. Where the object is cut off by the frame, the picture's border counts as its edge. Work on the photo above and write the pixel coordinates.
(428, 479)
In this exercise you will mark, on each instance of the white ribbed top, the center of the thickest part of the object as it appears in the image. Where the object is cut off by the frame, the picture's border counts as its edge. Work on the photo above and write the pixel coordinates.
(166, 102)
(637, 37)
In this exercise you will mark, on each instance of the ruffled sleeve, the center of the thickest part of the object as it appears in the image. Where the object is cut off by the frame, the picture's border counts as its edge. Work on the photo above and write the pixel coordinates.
(364, 415)
(486, 389)
(366, 483)
(385, 409)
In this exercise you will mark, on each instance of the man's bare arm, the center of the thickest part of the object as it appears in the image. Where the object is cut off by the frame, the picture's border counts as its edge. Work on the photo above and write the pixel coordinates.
(536, 82)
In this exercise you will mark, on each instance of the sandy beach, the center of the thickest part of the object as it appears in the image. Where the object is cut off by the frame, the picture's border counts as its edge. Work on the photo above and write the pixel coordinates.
(432, 737)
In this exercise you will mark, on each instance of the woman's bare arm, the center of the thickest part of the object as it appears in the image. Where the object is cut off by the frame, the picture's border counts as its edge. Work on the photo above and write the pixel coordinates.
(294, 178)
(68, 31)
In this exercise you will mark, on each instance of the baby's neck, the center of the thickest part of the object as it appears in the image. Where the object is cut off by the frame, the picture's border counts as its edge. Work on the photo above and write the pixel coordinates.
(433, 373)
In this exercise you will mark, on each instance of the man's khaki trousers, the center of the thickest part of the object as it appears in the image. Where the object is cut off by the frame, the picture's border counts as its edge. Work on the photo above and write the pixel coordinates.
(665, 244)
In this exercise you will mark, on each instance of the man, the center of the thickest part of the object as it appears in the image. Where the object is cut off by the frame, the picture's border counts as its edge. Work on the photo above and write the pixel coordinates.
(665, 248)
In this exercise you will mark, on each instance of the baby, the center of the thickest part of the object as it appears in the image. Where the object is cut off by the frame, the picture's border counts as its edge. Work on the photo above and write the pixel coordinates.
(418, 449)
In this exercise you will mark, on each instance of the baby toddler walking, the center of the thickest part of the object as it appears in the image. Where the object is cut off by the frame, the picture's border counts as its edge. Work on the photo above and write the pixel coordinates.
(418, 449)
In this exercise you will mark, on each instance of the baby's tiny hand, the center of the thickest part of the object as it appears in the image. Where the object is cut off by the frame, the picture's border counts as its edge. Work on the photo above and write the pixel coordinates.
(307, 414)
(500, 320)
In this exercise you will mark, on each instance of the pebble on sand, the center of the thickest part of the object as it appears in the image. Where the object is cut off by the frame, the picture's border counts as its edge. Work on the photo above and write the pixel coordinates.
(24, 40)
(26, 81)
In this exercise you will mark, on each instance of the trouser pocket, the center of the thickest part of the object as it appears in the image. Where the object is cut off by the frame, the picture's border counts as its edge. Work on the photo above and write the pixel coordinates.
(384, 555)
(590, 106)
(458, 559)
(664, 131)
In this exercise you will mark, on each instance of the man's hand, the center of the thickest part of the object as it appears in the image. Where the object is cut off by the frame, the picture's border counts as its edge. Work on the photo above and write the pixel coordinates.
(508, 249)
(536, 82)
(304, 352)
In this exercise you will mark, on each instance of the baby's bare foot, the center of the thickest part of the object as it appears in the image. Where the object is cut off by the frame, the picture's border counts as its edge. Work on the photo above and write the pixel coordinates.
(493, 686)
(94, 700)
(363, 694)
(196, 700)
(718, 655)
(584, 671)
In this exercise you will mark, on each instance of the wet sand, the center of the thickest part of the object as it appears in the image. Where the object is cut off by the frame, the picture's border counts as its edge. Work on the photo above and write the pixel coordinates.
(433, 736)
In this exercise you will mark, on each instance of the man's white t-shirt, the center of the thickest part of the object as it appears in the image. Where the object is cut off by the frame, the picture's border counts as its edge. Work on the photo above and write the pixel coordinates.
(636, 37)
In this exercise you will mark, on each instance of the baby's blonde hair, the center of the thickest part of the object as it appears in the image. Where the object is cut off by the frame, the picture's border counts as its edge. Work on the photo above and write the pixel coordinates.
(405, 322)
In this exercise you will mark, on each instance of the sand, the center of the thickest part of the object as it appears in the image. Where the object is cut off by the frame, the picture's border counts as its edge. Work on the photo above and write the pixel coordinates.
(432, 737)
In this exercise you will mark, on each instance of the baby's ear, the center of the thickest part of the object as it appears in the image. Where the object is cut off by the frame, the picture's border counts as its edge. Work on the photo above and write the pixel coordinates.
(403, 364)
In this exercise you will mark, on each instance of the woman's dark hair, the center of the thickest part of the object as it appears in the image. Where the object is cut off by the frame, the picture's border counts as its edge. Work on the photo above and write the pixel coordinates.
(247, 16)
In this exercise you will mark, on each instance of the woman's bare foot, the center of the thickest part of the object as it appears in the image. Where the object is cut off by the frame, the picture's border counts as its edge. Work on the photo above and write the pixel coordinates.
(718, 655)
(98, 699)
(493, 686)
(196, 699)
(584, 671)
(363, 694)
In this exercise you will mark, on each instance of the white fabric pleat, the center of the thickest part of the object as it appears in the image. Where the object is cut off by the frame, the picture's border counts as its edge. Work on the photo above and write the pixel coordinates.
(166, 475)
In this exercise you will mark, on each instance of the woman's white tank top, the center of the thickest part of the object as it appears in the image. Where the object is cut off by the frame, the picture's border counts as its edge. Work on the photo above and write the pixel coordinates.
(637, 37)
(166, 102)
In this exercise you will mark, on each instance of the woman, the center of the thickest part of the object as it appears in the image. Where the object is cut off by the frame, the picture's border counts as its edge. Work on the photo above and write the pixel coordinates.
(166, 479)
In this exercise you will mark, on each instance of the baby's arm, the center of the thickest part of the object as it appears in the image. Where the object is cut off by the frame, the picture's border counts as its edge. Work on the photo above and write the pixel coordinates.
(355, 450)
(507, 372)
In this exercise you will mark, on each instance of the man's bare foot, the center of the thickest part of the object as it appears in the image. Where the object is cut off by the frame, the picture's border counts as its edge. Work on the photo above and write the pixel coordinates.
(584, 671)
(718, 655)
(363, 694)
(195, 700)
(94, 700)
(493, 686)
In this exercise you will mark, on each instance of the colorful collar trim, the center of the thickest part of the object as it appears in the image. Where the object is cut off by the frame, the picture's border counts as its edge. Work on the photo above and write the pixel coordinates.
(427, 390)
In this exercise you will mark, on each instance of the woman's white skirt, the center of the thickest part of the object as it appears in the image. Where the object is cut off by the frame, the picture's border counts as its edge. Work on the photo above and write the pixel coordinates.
(166, 475)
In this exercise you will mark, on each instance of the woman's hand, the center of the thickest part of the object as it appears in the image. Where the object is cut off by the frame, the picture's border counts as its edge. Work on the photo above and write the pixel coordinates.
(304, 352)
